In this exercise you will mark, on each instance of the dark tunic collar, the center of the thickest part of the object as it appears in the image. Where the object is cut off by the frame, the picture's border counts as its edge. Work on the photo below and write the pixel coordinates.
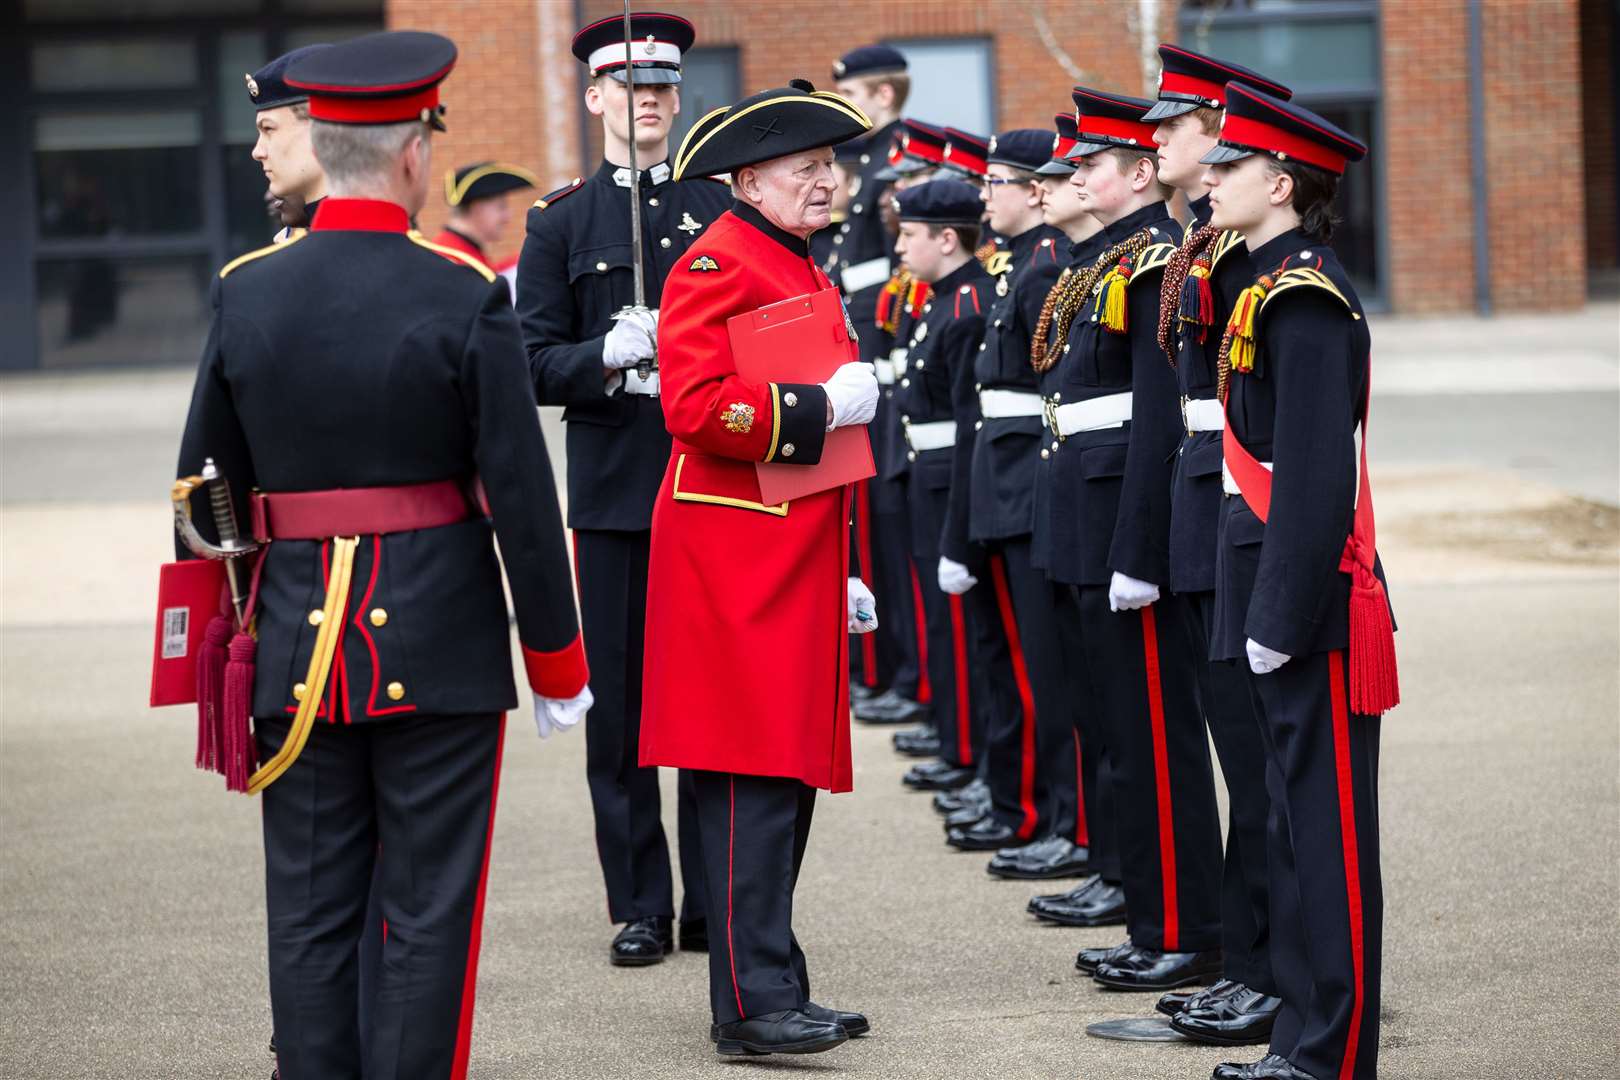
(1135, 221)
(1271, 254)
(753, 217)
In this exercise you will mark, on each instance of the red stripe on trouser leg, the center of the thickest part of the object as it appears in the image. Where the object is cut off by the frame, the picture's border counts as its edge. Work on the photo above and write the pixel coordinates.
(731, 855)
(1026, 698)
(1082, 834)
(1161, 779)
(1352, 857)
(863, 541)
(925, 690)
(964, 741)
(469, 984)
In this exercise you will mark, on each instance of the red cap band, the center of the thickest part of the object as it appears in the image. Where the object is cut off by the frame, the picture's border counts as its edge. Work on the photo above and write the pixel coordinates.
(1132, 131)
(1175, 83)
(965, 157)
(1259, 135)
(374, 110)
(1063, 146)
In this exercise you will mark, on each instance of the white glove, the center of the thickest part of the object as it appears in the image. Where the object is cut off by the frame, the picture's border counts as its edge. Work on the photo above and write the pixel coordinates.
(954, 578)
(631, 339)
(1263, 661)
(1127, 594)
(853, 393)
(561, 714)
(862, 608)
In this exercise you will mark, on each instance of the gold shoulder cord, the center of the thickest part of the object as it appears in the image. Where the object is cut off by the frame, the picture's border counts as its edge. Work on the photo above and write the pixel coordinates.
(1067, 297)
(320, 665)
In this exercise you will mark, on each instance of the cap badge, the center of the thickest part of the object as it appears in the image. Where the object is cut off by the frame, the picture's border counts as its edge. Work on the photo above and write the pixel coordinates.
(1001, 284)
(253, 87)
(992, 144)
(649, 48)
(839, 69)
(689, 224)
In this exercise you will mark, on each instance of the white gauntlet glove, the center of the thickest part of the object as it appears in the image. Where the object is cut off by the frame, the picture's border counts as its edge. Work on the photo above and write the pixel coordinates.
(561, 714)
(1127, 594)
(631, 339)
(1263, 661)
(853, 393)
(954, 578)
(862, 608)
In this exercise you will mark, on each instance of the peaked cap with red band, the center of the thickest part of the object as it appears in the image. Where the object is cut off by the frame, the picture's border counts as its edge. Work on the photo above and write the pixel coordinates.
(1105, 121)
(657, 43)
(966, 153)
(1068, 132)
(917, 146)
(387, 78)
(1189, 81)
(1257, 123)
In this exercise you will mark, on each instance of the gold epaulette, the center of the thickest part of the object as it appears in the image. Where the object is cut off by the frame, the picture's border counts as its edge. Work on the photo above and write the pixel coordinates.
(459, 256)
(1302, 276)
(1153, 257)
(1224, 243)
(998, 263)
(242, 260)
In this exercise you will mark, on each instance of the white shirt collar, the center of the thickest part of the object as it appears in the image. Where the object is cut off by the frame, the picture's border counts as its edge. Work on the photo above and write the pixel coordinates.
(655, 175)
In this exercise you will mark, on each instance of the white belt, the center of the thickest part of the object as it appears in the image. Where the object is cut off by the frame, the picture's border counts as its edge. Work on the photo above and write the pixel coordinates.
(864, 275)
(635, 384)
(885, 370)
(1001, 404)
(1229, 483)
(1111, 411)
(934, 435)
(1202, 414)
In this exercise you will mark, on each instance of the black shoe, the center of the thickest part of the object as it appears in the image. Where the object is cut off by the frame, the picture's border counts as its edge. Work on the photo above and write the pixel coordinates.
(1270, 1067)
(985, 835)
(854, 1024)
(694, 935)
(976, 794)
(1073, 896)
(1238, 1018)
(642, 942)
(859, 692)
(1054, 857)
(890, 708)
(1177, 1001)
(917, 742)
(1088, 959)
(937, 776)
(966, 817)
(787, 1032)
(1154, 969)
(1102, 905)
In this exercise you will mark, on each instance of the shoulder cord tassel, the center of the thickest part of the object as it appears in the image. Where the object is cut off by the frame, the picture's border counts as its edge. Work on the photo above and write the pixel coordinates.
(985, 252)
(1063, 303)
(211, 694)
(890, 301)
(1237, 343)
(1111, 296)
(1185, 297)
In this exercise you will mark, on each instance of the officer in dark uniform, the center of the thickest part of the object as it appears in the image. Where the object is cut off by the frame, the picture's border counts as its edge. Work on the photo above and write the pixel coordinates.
(1300, 601)
(297, 182)
(574, 277)
(1201, 284)
(355, 385)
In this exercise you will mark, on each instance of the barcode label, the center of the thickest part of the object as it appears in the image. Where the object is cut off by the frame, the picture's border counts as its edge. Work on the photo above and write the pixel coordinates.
(176, 632)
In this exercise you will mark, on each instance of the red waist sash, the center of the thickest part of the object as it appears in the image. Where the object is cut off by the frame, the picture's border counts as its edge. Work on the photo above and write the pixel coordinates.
(317, 515)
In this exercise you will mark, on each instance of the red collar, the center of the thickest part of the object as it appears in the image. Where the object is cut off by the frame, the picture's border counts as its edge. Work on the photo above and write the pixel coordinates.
(361, 215)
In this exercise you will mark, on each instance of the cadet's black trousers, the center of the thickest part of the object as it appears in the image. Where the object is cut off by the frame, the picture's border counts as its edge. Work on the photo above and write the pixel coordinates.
(612, 572)
(1223, 687)
(1092, 730)
(754, 832)
(888, 656)
(415, 797)
(1144, 673)
(963, 691)
(1327, 897)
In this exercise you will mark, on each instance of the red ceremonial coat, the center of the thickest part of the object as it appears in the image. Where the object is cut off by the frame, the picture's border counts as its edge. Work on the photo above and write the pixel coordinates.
(746, 666)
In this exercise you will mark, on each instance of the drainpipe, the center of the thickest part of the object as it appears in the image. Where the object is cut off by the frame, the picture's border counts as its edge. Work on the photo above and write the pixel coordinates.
(1476, 138)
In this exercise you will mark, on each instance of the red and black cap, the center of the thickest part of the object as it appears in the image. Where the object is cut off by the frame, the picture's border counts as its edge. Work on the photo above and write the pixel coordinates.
(767, 125)
(1257, 123)
(268, 86)
(1189, 80)
(485, 180)
(387, 78)
(657, 43)
(946, 201)
(1059, 145)
(916, 146)
(869, 60)
(1106, 121)
(966, 154)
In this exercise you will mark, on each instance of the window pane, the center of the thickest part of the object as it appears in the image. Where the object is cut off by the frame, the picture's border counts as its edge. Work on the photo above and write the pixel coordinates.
(709, 80)
(104, 174)
(241, 52)
(950, 82)
(122, 311)
(1355, 239)
(144, 63)
(133, 9)
(1306, 55)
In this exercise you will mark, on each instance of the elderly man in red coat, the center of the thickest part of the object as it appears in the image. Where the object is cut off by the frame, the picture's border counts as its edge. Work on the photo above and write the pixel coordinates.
(749, 603)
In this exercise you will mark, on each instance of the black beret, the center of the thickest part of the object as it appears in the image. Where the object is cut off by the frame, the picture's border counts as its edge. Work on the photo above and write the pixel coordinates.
(484, 180)
(1189, 80)
(1256, 122)
(1021, 148)
(658, 42)
(941, 202)
(268, 86)
(387, 78)
(770, 124)
(1059, 145)
(869, 60)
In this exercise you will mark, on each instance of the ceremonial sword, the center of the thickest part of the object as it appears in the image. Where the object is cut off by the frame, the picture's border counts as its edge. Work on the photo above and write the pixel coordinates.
(644, 367)
(231, 546)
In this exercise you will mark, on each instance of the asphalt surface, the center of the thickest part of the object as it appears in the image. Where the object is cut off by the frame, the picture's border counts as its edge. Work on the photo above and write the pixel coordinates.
(131, 902)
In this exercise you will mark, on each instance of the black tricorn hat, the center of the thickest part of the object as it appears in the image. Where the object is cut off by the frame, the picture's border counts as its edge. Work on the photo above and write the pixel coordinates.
(770, 124)
(484, 180)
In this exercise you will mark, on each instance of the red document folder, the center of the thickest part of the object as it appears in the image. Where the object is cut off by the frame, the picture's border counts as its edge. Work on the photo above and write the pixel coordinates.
(802, 340)
(189, 595)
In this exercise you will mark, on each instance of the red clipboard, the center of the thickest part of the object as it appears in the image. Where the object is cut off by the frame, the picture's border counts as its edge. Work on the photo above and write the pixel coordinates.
(189, 595)
(802, 340)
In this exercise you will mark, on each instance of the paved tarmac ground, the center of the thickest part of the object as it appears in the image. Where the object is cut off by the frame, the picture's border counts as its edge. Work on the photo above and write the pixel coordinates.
(131, 903)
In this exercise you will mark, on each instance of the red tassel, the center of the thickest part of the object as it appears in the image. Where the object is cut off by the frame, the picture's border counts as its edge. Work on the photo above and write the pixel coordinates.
(1206, 307)
(1374, 684)
(241, 756)
(211, 692)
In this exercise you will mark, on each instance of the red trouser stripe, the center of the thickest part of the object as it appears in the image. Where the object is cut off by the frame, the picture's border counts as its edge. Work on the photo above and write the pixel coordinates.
(925, 692)
(1352, 857)
(863, 540)
(1161, 780)
(469, 984)
(731, 856)
(1026, 699)
(964, 741)
(1082, 834)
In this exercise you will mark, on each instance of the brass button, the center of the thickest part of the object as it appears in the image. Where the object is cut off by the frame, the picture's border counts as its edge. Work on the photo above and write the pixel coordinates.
(601, 266)
(978, 385)
(1045, 453)
(787, 449)
(911, 455)
(653, 201)
(1065, 347)
(905, 382)
(978, 425)
(1058, 396)
(316, 617)
(663, 242)
(396, 690)
(918, 364)
(790, 399)
(927, 308)
(378, 616)
(299, 690)
(981, 346)
(839, 239)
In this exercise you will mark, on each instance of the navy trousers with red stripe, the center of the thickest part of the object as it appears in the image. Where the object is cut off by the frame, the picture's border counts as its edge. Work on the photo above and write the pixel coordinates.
(968, 676)
(754, 831)
(1327, 899)
(413, 798)
(1143, 673)
(888, 656)
(1091, 733)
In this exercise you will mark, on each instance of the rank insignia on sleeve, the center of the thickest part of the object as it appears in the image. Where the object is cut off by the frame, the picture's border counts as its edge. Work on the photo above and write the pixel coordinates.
(738, 417)
(703, 264)
(689, 224)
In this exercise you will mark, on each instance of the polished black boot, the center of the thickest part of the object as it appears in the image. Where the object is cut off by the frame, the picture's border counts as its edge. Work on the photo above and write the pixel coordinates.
(917, 742)
(1270, 1067)
(890, 708)
(988, 834)
(854, 1024)
(1054, 857)
(1239, 1018)
(1088, 959)
(1178, 1000)
(790, 1031)
(975, 794)
(937, 776)
(642, 942)
(966, 817)
(1154, 969)
(1101, 905)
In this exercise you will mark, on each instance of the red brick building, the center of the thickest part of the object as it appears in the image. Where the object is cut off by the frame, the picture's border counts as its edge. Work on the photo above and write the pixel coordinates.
(1491, 184)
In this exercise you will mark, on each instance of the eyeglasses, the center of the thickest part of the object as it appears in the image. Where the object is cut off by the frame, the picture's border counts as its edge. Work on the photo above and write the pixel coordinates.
(993, 182)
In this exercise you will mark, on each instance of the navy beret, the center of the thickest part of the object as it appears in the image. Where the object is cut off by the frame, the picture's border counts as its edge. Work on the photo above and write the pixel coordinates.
(941, 202)
(1021, 148)
(869, 60)
(268, 86)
